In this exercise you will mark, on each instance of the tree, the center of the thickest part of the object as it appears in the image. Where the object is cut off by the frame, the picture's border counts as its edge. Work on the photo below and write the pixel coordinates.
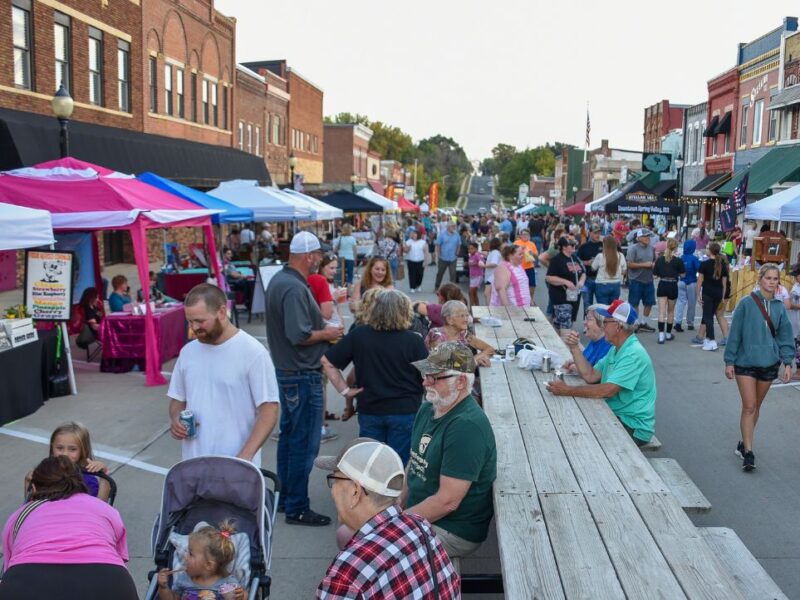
(347, 118)
(392, 143)
(522, 165)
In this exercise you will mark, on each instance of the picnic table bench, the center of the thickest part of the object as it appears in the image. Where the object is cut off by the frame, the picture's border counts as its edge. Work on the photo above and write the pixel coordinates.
(580, 511)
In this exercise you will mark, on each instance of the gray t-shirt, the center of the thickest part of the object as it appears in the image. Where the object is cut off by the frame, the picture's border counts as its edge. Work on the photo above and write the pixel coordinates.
(292, 314)
(639, 254)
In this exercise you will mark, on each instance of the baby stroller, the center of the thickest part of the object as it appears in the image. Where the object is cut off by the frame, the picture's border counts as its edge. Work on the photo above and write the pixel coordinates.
(212, 489)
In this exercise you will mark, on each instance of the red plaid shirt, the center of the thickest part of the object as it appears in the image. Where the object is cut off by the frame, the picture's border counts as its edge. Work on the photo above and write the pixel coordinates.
(387, 558)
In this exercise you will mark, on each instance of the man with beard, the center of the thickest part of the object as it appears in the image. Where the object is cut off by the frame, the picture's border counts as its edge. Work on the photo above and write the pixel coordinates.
(298, 337)
(226, 378)
(453, 454)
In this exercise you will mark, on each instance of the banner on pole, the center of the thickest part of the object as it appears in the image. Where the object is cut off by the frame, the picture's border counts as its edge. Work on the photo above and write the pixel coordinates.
(433, 196)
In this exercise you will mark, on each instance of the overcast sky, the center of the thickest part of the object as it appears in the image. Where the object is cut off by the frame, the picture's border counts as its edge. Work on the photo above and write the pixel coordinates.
(513, 71)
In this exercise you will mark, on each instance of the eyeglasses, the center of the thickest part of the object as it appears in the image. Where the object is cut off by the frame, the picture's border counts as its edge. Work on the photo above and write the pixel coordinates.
(439, 378)
(330, 479)
(607, 321)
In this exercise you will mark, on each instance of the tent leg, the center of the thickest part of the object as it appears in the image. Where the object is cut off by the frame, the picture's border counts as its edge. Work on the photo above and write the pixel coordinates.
(73, 386)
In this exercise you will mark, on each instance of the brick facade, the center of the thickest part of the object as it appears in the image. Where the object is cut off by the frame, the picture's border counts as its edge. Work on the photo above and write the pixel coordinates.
(347, 153)
(251, 112)
(660, 119)
(723, 95)
(278, 99)
(117, 21)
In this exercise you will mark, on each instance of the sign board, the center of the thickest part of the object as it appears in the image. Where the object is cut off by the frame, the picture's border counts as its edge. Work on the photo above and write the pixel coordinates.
(555, 193)
(641, 197)
(656, 162)
(49, 284)
(263, 276)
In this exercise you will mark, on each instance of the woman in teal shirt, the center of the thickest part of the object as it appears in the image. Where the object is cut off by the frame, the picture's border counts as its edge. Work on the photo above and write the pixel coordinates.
(121, 294)
(346, 248)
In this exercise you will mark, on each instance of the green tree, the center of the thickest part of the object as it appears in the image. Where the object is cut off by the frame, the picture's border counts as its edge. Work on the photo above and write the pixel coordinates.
(347, 118)
(392, 143)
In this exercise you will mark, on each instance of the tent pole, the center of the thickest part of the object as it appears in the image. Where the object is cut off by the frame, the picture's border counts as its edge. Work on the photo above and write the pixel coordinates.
(73, 385)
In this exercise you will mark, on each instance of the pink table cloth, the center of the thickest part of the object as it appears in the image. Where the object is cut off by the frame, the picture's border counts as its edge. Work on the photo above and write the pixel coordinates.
(122, 336)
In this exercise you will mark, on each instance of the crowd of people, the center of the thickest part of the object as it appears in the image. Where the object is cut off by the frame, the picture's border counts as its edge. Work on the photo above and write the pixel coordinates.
(413, 492)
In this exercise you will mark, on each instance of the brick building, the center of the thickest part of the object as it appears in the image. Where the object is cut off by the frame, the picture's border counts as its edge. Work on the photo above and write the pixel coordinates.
(346, 152)
(606, 167)
(278, 100)
(374, 172)
(250, 107)
(719, 131)
(660, 119)
(305, 131)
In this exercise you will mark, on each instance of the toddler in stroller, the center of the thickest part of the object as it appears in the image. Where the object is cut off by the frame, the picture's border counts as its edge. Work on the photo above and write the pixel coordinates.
(206, 562)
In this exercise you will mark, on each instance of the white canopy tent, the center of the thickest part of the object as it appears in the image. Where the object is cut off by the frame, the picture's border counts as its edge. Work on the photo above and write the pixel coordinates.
(387, 204)
(319, 210)
(267, 204)
(22, 227)
(783, 206)
(527, 208)
(597, 205)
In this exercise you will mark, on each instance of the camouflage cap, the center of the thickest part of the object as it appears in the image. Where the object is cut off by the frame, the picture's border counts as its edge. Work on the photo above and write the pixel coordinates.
(448, 356)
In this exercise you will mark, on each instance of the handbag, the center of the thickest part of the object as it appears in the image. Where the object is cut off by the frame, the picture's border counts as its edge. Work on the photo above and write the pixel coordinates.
(763, 310)
(401, 271)
(85, 337)
(573, 295)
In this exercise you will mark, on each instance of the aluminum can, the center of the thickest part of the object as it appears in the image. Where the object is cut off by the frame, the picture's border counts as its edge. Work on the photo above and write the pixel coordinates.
(546, 364)
(510, 352)
(558, 374)
(187, 418)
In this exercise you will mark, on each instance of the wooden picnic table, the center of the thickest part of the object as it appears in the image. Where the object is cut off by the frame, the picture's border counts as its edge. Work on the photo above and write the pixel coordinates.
(579, 510)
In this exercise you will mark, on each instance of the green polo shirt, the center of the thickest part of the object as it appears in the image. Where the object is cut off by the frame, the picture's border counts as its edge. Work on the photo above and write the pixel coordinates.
(632, 370)
(459, 444)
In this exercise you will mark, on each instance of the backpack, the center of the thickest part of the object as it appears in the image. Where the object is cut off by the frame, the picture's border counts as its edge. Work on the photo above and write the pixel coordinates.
(420, 324)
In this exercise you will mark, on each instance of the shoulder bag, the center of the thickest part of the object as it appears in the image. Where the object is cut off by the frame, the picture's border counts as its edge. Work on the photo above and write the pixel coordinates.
(763, 310)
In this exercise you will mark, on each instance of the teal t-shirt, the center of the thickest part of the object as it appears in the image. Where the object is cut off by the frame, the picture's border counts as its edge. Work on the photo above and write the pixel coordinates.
(459, 444)
(632, 370)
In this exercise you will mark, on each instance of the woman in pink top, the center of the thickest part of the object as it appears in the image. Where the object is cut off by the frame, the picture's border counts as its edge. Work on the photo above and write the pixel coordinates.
(64, 543)
(510, 286)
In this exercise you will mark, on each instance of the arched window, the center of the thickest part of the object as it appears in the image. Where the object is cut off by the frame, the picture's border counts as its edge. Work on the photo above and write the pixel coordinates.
(791, 80)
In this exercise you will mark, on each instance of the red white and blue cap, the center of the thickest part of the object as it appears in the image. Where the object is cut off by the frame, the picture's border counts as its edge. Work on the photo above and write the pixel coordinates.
(619, 310)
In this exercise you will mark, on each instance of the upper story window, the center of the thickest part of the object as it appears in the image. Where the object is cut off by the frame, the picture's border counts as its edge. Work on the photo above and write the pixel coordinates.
(258, 140)
(225, 107)
(214, 113)
(95, 66)
(791, 80)
(745, 117)
(758, 121)
(249, 138)
(772, 134)
(124, 75)
(153, 72)
(179, 82)
(61, 34)
(193, 96)
(23, 43)
(206, 115)
(241, 135)
(169, 107)
(701, 143)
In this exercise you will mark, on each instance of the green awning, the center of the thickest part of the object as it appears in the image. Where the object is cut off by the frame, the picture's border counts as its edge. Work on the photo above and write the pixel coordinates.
(776, 166)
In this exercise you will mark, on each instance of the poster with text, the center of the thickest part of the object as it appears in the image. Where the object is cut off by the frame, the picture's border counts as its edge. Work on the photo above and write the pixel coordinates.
(49, 284)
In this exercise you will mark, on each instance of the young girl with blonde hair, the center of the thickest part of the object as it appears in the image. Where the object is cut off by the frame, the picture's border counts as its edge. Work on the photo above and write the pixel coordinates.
(668, 269)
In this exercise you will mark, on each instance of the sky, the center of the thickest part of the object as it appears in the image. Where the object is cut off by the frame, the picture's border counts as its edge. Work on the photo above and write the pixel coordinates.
(519, 72)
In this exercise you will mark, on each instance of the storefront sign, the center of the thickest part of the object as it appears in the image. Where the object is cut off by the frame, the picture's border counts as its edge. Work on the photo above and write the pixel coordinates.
(49, 284)
(641, 197)
(656, 162)
(639, 208)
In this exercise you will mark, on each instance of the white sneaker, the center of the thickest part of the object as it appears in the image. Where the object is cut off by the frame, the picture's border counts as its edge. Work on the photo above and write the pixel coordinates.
(710, 345)
(661, 337)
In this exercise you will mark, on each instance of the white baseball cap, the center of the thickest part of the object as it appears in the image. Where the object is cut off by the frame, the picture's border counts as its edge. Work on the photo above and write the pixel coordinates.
(304, 242)
(372, 464)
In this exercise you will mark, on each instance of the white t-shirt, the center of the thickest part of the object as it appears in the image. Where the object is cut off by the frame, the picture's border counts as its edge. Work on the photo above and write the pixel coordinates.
(415, 250)
(749, 236)
(493, 258)
(247, 236)
(223, 385)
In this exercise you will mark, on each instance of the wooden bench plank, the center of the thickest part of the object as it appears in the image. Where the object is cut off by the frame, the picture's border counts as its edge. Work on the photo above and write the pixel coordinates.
(585, 568)
(642, 569)
(682, 487)
(748, 574)
(692, 560)
(526, 554)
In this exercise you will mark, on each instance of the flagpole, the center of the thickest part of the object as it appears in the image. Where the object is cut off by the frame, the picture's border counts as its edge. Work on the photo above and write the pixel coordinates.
(588, 129)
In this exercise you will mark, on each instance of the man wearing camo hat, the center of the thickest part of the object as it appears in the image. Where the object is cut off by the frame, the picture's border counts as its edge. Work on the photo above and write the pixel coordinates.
(453, 453)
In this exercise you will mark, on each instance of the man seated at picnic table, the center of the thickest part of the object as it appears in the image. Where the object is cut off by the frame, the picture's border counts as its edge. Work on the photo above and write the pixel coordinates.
(453, 460)
(624, 378)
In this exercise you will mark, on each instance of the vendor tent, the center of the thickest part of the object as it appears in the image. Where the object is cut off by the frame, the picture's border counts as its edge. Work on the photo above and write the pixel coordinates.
(230, 212)
(776, 207)
(575, 210)
(86, 197)
(387, 204)
(597, 205)
(351, 203)
(638, 198)
(319, 210)
(407, 206)
(267, 204)
(22, 227)
(526, 209)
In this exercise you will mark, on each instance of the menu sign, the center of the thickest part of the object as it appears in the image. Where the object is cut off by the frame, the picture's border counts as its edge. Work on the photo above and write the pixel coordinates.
(48, 284)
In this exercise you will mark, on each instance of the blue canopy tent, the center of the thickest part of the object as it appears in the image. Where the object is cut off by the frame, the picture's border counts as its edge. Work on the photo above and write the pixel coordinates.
(231, 214)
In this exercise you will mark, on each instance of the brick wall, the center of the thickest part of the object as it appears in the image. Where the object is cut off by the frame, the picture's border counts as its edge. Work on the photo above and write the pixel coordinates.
(251, 110)
(338, 153)
(119, 19)
(305, 118)
(277, 154)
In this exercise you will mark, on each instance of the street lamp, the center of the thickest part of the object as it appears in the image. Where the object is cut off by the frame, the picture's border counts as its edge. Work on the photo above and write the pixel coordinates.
(292, 165)
(62, 108)
(353, 182)
(574, 193)
(679, 162)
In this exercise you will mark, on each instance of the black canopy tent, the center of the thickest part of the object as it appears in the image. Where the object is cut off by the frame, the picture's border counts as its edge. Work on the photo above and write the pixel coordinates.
(351, 203)
(640, 199)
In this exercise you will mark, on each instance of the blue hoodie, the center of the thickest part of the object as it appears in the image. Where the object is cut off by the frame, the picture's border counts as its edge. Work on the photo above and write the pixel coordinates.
(690, 261)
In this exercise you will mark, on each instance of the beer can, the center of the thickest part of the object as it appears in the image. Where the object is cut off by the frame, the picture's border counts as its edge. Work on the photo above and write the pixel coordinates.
(558, 374)
(545, 364)
(187, 418)
(510, 352)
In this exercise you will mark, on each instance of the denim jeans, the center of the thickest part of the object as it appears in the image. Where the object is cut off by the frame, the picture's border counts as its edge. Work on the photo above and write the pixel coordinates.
(392, 430)
(301, 425)
(606, 293)
(687, 300)
(588, 293)
(349, 265)
(393, 268)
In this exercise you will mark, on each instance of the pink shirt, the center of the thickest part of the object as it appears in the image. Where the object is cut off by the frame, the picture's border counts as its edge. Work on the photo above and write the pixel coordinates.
(78, 530)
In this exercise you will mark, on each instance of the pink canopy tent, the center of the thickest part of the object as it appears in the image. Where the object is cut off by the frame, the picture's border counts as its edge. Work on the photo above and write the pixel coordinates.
(86, 197)
(407, 206)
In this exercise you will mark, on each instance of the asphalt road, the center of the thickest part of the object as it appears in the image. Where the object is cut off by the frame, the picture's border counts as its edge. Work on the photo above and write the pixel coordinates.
(479, 194)
(697, 423)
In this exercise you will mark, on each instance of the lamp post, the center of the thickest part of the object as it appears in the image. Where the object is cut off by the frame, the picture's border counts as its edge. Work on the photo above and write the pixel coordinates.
(679, 166)
(574, 193)
(353, 182)
(62, 108)
(292, 165)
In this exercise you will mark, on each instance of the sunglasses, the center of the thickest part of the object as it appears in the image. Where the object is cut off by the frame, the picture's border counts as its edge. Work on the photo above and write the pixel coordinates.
(331, 478)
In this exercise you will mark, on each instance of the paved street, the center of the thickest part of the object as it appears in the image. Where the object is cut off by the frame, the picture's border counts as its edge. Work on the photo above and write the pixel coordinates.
(697, 423)
(480, 194)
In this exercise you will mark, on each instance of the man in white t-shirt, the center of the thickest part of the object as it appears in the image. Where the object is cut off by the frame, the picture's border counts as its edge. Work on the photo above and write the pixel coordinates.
(226, 378)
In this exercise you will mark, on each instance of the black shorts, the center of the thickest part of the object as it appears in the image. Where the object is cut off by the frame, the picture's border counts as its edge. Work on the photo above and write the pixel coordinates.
(759, 373)
(668, 289)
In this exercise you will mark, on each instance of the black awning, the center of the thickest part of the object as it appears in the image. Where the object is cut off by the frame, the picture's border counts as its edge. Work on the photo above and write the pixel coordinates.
(639, 199)
(351, 203)
(665, 189)
(28, 138)
(710, 130)
(724, 125)
(706, 187)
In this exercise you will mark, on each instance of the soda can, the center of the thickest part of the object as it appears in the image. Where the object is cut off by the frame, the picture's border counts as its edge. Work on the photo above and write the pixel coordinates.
(545, 364)
(187, 418)
(510, 352)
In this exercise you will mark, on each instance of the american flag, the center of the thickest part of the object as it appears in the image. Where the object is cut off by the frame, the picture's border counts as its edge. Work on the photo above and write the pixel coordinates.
(588, 127)
(735, 205)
